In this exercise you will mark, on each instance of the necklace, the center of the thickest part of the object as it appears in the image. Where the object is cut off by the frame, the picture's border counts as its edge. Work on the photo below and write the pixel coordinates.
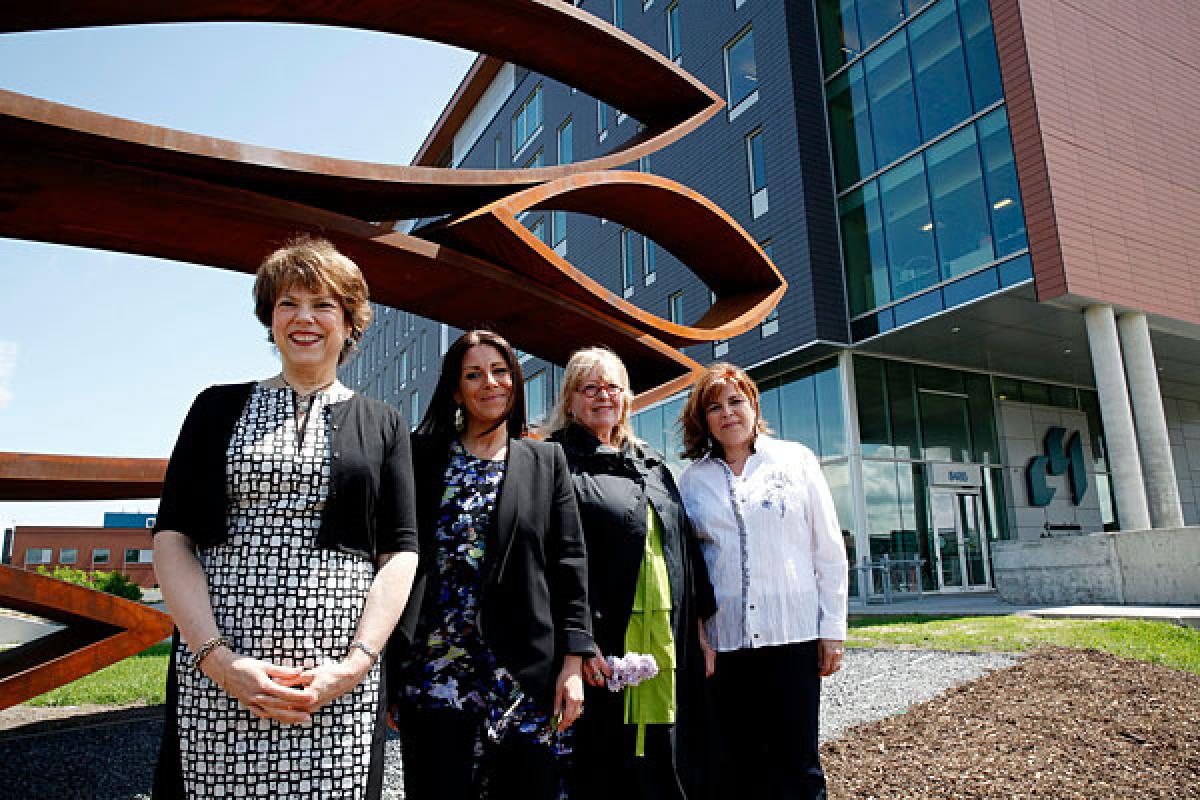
(303, 404)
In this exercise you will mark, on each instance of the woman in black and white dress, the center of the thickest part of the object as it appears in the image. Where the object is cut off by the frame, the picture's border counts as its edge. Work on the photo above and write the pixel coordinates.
(285, 546)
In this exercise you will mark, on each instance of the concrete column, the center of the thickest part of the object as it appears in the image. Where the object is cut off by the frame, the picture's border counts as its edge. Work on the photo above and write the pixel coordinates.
(1124, 462)
(862, 541)
(1162, 490)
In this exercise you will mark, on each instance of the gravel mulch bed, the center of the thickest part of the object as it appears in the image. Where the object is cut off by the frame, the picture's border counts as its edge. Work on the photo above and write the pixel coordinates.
(1061, 724)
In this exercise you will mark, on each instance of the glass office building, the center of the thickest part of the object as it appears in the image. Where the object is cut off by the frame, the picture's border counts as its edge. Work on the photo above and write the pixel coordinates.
(939, 347)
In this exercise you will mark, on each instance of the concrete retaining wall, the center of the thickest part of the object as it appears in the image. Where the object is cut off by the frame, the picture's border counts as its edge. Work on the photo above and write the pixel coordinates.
(1160, 567)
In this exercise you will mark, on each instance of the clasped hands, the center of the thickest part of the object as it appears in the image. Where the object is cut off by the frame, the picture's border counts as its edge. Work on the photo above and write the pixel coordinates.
(286, 694)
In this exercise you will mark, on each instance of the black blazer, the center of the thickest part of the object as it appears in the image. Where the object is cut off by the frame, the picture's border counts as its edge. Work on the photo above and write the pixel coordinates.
(369, 510)
(533, 600)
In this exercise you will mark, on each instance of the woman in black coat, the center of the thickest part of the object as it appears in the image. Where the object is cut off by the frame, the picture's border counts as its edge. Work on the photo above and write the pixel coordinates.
(499, 606)
(646, 741)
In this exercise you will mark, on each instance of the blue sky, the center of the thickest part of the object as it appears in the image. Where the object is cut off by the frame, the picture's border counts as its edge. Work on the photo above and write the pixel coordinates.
(101, 353)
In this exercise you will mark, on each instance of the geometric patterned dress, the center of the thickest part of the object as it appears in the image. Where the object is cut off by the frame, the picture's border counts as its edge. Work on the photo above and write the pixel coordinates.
(280, 598)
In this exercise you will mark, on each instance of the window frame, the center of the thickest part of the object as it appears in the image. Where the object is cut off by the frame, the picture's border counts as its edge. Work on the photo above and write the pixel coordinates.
(735, 109)
(519, 143)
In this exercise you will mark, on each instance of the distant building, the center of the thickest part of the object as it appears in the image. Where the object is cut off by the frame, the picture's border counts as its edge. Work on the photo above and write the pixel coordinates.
(123, 544)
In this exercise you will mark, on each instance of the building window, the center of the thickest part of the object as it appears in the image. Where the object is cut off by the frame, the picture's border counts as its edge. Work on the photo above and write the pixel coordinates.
(601, 119)
(136, 556)
(68, 555)
(527, 121)
(403, 372)
(894, 125)
(720, 347)
(649, 275)
(538, 228)
(674, 43)
(618, 13)
(756, 168)
(850, 127)
(566, 142)
(38, 555)
(675, 308)
(414, 407)
(770, 325)
(741, 73)
(100, 555)
(424, 349)
(498, 150)
(443, 338)
(538, 160)
(627, 271)
(535, 398)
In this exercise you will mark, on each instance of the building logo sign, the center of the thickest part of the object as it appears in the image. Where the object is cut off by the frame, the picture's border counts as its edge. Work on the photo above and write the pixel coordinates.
(1056, 461)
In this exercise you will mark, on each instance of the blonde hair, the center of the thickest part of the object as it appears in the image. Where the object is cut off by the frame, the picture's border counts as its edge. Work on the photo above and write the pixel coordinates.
(315, 264)
(697, 441)
(580, 365)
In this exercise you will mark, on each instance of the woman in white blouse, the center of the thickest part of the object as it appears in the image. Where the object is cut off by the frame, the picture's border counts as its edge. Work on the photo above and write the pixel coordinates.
(771, 540)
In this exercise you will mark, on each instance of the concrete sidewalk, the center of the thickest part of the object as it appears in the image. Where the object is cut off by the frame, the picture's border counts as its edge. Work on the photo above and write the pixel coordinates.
(977, 604)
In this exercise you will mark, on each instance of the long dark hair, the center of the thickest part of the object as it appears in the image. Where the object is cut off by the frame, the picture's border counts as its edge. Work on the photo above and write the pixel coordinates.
(438, 422)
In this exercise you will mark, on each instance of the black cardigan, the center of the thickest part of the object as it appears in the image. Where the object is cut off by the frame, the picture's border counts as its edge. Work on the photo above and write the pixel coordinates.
(370, 509)
(533, 600)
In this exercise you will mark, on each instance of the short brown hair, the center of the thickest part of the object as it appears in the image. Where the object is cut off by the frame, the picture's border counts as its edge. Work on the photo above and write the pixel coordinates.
(697, 442)
(315, 264)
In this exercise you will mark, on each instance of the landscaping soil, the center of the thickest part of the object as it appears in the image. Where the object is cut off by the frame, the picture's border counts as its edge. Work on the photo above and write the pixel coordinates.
(1061, 724)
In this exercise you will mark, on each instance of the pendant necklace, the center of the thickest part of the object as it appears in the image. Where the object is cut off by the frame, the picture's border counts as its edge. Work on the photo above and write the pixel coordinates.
(303, 404)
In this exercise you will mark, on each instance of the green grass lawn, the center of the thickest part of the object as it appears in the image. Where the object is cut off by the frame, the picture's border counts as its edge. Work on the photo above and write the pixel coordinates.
(1156, 642)
(140, 678)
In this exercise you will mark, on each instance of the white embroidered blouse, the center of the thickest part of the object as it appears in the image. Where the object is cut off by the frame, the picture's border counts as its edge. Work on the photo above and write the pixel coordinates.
(772, 544)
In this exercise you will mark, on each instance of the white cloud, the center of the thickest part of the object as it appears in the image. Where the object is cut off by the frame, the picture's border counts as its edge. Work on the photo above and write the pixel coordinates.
(8, 365)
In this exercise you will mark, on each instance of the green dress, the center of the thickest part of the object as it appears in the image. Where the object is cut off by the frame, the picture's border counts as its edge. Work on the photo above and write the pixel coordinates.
(652, 702)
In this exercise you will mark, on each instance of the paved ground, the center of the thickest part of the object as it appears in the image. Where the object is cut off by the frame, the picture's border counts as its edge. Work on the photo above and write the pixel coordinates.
(116, 750)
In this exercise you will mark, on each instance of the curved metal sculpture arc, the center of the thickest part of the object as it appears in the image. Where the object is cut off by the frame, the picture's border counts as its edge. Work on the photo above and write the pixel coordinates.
(100, 630)
(694, 229)
(550, 36)
(32, 476)
(55, 197)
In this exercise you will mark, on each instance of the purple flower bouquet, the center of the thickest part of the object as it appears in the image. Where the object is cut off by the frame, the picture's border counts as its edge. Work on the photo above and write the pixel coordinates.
(630, 670)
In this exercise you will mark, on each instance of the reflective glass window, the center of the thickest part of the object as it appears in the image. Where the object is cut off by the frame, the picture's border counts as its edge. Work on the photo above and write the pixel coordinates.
(769, 405)
(1000, 174)
(626, 258)
(982, 62)
(984, 448)
(601, 117)
(902, 408)
(839, 33)
(741, 71)
(528, 120)
(850, 127)
(830, 413)
(675, 308)
(944, 430)
(960, 209)
(837, 475)
(1089, 401)
(893, 105)
(649, 426)
(882, 494)
(566, 142)
(864, 249)
(648, 247)
(798, 412)
(755, 161)
(877, 17)
(674, 43)
(535, 398)
(909, 228)
(872, 407)
(943, 95)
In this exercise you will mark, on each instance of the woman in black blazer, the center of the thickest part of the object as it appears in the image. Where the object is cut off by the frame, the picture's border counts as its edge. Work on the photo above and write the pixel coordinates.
(499, 606)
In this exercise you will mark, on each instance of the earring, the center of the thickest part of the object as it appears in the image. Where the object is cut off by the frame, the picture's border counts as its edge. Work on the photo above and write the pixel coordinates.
(460, 419)
(350, 342)
(270, 336)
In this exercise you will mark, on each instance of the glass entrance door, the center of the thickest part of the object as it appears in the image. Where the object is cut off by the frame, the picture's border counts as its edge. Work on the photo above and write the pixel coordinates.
(959, 542)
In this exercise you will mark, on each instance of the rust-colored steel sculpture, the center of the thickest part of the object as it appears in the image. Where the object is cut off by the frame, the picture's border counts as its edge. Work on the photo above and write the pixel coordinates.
(100, 629)
(71, 176)
(30, 476)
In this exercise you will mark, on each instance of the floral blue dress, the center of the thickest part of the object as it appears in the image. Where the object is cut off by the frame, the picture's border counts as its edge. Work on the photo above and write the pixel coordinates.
(452, 667)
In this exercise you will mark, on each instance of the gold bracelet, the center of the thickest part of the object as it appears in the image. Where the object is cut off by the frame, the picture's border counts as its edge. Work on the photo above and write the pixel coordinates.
(206, 650)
